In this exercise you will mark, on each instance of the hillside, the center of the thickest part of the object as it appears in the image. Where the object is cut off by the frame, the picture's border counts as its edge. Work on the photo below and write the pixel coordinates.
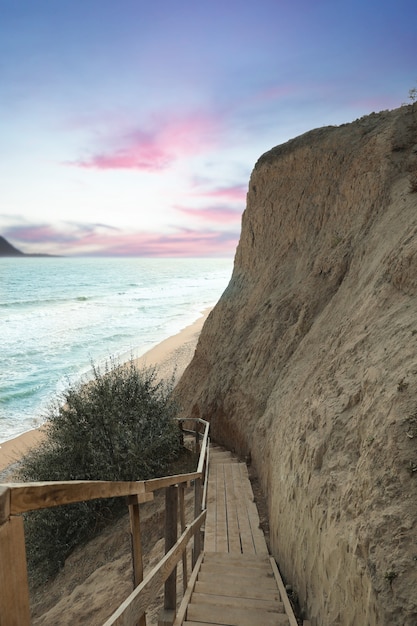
(6, 248)
(309, 364)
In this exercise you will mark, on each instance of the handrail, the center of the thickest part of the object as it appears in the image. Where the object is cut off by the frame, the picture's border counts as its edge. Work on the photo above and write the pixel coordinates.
(206, 477)
(17, 498)
(204, 444)
(135, 605)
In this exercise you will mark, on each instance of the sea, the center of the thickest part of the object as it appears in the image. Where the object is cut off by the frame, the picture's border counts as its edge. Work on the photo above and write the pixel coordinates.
(60, 315)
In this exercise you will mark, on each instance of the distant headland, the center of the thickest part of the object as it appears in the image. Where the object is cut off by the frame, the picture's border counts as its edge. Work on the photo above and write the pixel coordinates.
(6, 249)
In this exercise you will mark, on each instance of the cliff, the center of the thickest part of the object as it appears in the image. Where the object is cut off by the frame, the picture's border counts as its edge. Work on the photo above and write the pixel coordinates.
(308, 362)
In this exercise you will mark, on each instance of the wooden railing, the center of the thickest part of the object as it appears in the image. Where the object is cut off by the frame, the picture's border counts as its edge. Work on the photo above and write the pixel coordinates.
(18, 498)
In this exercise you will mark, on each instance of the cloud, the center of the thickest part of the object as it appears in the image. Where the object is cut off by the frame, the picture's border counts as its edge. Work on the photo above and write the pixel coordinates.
(76, 239)
(38, 234)
(235, 193)
(184, 243)
(222, 214)
(153, 149)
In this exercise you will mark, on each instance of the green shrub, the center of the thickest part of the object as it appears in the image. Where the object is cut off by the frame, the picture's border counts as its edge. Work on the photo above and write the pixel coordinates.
(118, 426)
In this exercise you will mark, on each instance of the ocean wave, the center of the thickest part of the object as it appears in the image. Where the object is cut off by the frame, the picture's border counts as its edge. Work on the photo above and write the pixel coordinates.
(63, 316)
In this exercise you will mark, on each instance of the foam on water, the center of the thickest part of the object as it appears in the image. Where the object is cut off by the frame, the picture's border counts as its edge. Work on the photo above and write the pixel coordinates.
(57, 315)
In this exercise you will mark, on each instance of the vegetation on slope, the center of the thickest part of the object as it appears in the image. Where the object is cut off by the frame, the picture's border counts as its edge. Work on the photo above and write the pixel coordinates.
(118, 426)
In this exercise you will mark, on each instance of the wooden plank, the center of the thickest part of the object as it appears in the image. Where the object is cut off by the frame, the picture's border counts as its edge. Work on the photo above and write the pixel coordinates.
(222, 544)
(140, 598)
(14, 589)
(166, 481)
(229, 569)
(32, 496)
(236, 588)
(221, 457)
(210, 525)
(258, 536)
(253, 515)
(246, 484)
(283, 593)
(206, 476)
(141, 498)
(264, 582)
(4, 503)
(198, 543)
(197, 439)
(171, 531)
(166, 617)
(234, 616)
(254, 567)
(231, 511)
(136, 541)
(203, 450)
(181, 499)
(182, 611)
(187, 623)
(246, 539)
(251, 603)
(252, 560)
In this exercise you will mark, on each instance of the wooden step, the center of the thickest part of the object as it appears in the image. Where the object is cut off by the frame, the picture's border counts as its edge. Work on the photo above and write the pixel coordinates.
(232, 523)
(236, 571)
(252, 560)
(271, 604)
(234, 616)
(222, 457)
(229, 579)
(237, 589)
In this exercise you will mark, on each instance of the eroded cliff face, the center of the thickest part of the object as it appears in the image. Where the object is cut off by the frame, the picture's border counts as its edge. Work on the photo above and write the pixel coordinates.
(309, 362)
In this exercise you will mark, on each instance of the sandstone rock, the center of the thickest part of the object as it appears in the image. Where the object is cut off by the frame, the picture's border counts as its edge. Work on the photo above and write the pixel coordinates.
(309, 364)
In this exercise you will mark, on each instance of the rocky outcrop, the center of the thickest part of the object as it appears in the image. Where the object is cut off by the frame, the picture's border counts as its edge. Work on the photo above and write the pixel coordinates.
(6, 248)
(309, 363)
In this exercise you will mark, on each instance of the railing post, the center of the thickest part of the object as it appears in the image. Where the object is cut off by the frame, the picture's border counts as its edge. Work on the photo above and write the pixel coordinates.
(181, 489)
(171, 533)
(14, 587)
(136, 541)
(198, 494)
(197, 437)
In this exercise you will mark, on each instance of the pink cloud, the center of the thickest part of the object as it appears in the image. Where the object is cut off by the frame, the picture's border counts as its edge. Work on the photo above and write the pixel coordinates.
(221, 214)
(102, 240)
(142, 154)
(186, 243)
(235, 193)
(154, 149)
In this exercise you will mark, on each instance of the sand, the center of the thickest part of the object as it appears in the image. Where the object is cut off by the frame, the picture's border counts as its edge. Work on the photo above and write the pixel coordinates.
(171, 356)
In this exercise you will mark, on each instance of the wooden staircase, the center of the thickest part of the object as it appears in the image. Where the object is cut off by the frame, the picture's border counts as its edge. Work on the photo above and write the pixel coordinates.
(235, 581)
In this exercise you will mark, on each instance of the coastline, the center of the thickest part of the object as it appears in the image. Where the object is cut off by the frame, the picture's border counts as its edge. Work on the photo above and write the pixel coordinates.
(171, 357)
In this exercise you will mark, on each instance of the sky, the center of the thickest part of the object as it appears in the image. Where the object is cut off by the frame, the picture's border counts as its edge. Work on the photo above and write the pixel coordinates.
(131, 127)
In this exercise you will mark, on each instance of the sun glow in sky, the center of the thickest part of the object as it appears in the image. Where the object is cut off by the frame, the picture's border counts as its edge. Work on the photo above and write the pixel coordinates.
(132, 127)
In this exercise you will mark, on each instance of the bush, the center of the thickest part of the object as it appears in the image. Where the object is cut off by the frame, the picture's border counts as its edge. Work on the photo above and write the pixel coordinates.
(118, 426)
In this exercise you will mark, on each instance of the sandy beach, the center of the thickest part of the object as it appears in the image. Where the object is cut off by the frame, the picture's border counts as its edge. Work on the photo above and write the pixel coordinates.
(170, 356)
